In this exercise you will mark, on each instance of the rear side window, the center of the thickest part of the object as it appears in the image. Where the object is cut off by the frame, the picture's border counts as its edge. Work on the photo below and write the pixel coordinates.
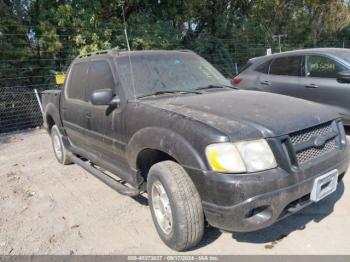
(286, 66)
(246, 66)
(77, 81)
(100, 77)
(321, 66)
(264, 67)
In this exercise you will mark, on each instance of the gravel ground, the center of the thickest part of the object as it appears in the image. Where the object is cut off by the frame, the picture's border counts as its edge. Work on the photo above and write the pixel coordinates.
(47, 208)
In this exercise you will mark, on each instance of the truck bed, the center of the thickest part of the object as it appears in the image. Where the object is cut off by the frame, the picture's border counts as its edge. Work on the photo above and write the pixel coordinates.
(51, 96)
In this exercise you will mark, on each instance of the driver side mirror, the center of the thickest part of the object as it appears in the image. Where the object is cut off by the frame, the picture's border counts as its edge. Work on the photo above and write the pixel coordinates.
(104, 97)
(343, 76)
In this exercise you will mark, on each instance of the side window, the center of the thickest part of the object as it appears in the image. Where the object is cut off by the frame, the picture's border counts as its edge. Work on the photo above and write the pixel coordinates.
(246, 66)
(100, 77)
(286, 66)
(264, 67)
(77, 81)
(321, 66)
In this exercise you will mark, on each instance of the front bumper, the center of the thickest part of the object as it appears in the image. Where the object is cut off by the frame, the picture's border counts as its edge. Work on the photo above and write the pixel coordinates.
(243, 203)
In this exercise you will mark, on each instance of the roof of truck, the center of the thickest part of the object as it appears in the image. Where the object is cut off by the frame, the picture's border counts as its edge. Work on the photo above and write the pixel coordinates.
(118, 52)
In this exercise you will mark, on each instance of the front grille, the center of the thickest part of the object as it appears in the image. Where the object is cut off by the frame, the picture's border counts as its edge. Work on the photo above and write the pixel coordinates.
(312, 152)
(315, 152)
(305, 135)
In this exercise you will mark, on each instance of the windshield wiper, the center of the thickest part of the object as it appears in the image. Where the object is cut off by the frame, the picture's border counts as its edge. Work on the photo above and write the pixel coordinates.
(170, 92)
(214, 86)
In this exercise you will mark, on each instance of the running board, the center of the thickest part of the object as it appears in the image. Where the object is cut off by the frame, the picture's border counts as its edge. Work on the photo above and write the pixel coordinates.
(116, 185)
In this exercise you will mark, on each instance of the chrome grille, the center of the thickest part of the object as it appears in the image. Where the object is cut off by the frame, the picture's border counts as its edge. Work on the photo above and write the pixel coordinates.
(313, 152)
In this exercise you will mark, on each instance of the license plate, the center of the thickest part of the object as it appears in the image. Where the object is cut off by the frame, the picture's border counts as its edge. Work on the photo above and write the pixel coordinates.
(324, 185)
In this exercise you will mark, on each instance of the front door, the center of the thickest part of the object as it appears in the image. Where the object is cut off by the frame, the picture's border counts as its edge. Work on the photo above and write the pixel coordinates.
(321, 85)
(103, 119)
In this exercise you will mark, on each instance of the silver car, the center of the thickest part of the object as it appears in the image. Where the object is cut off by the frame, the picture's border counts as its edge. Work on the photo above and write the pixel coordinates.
(321, 75)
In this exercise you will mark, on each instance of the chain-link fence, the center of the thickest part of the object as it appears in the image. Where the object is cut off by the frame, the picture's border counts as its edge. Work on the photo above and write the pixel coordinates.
(19, 109)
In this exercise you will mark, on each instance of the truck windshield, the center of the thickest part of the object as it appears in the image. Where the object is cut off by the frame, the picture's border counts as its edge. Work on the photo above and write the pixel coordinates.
(161, 72)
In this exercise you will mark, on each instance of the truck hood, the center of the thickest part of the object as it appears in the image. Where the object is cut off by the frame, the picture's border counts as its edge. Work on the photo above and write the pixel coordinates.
(247, 114)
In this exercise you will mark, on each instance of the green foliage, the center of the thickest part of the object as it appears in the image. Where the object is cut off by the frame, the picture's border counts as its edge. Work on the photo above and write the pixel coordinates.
(41, 37)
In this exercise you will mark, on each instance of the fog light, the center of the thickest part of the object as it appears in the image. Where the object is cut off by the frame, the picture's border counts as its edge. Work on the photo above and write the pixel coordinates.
(259, 215)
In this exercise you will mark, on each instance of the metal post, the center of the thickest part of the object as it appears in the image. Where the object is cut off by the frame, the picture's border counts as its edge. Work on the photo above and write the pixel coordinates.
(279, 43)
(39, 102)
(236, 68)
(279, 40)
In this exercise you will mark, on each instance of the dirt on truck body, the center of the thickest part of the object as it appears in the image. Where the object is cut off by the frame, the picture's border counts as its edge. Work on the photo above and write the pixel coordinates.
(167, 122)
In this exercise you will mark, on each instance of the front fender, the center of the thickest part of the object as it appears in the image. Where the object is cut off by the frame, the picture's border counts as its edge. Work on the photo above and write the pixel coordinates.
(167, 141)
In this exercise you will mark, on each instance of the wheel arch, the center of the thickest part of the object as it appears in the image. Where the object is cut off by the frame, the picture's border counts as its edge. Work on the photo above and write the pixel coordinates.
(148, 157)
(161, 144)
(51, 117)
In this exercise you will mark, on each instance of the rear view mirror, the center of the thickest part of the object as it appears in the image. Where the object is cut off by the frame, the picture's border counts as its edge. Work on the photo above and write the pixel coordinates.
(343, 76)
(102, 97)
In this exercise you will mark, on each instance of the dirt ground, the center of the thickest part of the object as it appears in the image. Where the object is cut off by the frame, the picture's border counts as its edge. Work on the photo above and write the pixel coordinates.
(47, 208)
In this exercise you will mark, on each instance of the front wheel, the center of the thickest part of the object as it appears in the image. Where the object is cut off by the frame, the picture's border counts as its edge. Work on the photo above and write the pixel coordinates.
(59, 149)
(175, 206)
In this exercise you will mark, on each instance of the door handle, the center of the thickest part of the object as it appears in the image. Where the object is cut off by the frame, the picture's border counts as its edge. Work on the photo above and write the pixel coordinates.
(88, 115)
(265, 83)
(311, 86)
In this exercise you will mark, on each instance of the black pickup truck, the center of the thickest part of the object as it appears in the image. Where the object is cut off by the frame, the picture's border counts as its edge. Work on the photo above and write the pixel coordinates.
(169, 124)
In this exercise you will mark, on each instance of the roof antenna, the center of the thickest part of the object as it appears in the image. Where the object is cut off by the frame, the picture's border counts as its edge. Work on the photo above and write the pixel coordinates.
(125, 31)
(127, 44)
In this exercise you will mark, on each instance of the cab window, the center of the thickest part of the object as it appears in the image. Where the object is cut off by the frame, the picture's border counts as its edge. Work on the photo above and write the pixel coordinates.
(77, 81)
(286, 66)
(321, 66)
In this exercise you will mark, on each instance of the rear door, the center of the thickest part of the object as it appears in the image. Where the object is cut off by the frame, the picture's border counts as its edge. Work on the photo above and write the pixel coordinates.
(283, 76)
(74, 105)
(320, 83)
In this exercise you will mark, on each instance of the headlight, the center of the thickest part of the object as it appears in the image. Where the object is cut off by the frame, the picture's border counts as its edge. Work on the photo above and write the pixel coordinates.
(247, 156)
(224, 157)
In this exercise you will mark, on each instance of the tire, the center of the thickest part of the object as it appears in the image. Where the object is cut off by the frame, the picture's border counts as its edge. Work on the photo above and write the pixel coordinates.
(60, 151)
(186, 212)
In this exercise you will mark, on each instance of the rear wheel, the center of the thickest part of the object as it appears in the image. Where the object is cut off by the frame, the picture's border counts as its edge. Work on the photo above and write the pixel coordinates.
(59, 149)
(175, 206)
